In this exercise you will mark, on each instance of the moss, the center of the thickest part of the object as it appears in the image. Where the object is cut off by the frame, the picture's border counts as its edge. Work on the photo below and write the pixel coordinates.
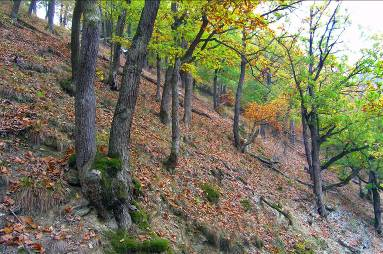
(107, 165)
(72, 161)
(246, 204)
(137, 187)
(122, 242)
(155, 245)
(140, 218)
(211, 192)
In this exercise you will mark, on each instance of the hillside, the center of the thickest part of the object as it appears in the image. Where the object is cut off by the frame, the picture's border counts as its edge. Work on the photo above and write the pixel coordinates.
(44, 210)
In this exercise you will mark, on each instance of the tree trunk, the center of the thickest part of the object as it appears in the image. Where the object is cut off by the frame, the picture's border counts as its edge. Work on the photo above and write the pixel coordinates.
(376, 201)
(237, 105)
(158, 91)
(166, 97)
(75, 39)
(188, 98)
(215, 90)
(174, 152)
(32, 8)
(306, 142)
(85, 100)
(115, 65)
(51, 14)
(65, 18)
(316, 168)
(15, 9)
(119, 141)
(61, 17)
(292, 135)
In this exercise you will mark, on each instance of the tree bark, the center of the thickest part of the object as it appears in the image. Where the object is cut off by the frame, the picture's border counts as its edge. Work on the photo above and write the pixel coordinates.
(85, 99)
(75, 38)
(306, 141)
(158, 65)
(166, 97)
(51, 14)
(292, 135)
(117, 51)
(237, 105)
(376, 201)
(188, 98)
(15, 9)
(32, 7)
(174, 152)
(215, 90)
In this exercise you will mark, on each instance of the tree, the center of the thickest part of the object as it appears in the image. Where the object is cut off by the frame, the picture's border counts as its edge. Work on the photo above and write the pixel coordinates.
(75, 38)
(15, 9)
(158, 69)
(51, 14)
(119, 141)
(32, 7)
(85, 99)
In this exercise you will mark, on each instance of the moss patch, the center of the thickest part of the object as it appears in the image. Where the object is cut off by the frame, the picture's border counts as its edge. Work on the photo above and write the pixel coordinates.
(122, 242)
(137, 187)
(246, 204)
(211, 192)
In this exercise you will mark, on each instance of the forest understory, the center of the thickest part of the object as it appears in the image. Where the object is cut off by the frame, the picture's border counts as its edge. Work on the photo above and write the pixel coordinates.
(217, 199)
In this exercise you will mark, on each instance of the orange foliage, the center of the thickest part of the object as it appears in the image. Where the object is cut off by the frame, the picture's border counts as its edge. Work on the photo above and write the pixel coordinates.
(266, 113)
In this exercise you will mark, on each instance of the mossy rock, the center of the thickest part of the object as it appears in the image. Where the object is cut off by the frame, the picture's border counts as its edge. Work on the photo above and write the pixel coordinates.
(211, 192)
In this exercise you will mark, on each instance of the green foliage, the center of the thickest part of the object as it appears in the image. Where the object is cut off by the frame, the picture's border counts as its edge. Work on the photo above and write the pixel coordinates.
(140, 218)
(72, 161)
(121, 243)
(211, 192)
(246, 204)
(302, 248)
(137, 187)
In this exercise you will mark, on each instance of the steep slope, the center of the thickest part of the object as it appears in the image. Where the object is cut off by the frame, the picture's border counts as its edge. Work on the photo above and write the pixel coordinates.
(36, 128)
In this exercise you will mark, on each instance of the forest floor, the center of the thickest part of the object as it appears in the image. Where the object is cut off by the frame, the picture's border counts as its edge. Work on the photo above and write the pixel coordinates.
(43, 212)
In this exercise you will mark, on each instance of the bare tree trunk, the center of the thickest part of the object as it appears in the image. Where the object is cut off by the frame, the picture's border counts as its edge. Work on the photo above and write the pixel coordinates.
(237, 106)
(292, 132)
(158, 65)
(61, 17)
(174, 152)
(166, 97)
(316, 168)
(85, 100)
(51, 14)
(306, 142)
(32, 8)
(15, 9)
(376, 201)
(215, 90)
(65, 18)
(188, 99)
(117, 50)
(75, 38)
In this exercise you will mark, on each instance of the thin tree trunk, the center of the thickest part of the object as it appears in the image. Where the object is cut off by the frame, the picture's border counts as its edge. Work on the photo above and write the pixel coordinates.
(51, 14)
(316, 168)
(75, 38)
(188, 99)
(158, 65)
(15, 9)
(32, 8)
(292, 135)
(166, 97)
(174, 152)
(65, 18)
(215, 89)
(237, 105)
(61, 17)
(306, 142)
(115, 65)
(376, 202)
(85, 100)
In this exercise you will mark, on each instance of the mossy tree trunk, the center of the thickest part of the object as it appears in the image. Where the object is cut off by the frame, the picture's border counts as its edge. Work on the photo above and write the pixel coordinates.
(119, 141)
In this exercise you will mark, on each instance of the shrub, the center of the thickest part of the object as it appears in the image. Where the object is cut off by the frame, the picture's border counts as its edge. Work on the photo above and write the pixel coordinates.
(67, 86)
(211, 192)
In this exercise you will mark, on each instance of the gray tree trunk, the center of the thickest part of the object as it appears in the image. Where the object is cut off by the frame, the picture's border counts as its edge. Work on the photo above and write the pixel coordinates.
(158, 66)
(376, 202)
(237, 105)
(51, 14)
(166, 97)
(85, 99)
(215, 90)
(292, 132)
(15, 9)
(188, 98)
(75, 38)
(175, 148)
(117, 51)
(32, 8)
